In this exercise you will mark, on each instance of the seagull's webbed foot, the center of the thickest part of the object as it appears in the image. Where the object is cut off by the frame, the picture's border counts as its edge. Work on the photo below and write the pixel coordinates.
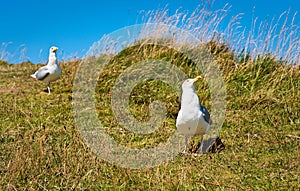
(184, 152)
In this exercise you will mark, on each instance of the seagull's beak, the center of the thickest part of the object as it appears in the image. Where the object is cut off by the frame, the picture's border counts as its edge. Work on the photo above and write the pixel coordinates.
(55, 49)
(197, 78)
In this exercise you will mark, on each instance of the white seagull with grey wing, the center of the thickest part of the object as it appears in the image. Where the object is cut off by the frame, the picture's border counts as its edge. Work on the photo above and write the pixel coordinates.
(193, 119)
(51, 71)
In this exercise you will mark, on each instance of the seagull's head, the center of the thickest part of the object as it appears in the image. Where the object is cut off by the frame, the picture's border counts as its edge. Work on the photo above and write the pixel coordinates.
(189, 83)
(53, 49)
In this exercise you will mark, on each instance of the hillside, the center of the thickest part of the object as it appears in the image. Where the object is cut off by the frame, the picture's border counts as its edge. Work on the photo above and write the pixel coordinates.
(41, 147)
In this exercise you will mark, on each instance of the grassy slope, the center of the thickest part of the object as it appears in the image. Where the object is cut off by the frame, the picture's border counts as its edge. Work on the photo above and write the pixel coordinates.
(41, 148)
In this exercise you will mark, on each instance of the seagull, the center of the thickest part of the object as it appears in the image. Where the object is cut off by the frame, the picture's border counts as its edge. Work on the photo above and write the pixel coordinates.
(193, 119)
(51, 71)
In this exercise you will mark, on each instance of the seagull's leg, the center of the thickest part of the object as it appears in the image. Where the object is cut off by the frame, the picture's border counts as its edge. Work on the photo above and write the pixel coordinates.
(186, 144)
(206, 143)
(48, 87)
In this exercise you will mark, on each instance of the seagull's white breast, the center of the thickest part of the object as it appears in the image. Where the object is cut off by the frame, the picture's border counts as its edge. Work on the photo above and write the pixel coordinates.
(191, 123)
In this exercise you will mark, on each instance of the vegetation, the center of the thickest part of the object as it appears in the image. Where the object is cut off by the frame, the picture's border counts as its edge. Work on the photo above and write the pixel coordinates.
(41, 148)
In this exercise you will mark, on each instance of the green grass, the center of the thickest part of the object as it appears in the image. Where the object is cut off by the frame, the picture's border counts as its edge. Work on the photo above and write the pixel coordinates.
(41, 148)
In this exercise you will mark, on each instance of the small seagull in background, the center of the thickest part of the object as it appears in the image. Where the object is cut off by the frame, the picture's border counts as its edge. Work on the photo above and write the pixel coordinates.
(193, 119)
(51, 71)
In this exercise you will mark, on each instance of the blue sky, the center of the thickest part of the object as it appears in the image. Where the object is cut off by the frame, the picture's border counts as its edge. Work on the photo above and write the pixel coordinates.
(74, 25)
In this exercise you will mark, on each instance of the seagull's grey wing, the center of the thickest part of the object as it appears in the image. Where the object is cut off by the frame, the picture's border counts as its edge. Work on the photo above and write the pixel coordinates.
(42, 73)
(205, 114)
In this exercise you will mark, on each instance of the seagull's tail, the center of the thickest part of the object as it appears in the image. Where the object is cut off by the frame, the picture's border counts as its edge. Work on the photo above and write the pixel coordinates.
(33, 75)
